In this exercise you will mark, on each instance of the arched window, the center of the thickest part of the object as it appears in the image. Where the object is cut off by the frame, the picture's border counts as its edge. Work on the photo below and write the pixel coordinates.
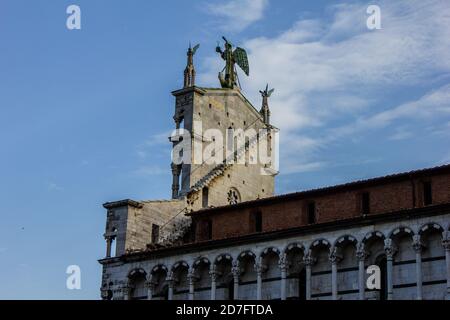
(137, 280)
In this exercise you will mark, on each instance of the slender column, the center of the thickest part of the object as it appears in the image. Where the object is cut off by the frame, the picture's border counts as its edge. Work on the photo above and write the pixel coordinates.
(417, 246)
(258, 269)
(176, 169)
(446, 245)
(334, 257)
(126, 290)
(170, 280)
(191, 279)
(236, 270)
(108, 246)
(177, 119)
(361, 255)
(283, 268)
(213, 273)
(308, 260)
(150, 284)
(390, 251)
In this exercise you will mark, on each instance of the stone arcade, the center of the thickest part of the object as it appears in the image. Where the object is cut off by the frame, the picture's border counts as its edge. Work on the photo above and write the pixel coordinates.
(224, 235)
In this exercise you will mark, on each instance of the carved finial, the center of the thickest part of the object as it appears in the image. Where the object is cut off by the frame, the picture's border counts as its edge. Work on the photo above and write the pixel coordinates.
(189, 72)
(265, 111)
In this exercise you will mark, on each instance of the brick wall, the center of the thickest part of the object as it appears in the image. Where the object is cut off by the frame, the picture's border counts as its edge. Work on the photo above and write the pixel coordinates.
(332, 204)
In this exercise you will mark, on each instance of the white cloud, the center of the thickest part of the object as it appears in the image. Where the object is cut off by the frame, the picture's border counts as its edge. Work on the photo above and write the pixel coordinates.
(295, 167)
(401, 134)
(236, 15)
(445, 159)
(332, 74)
(152, 170)
(146, 148)
(157, 139)
(433, 104)
(54, 187)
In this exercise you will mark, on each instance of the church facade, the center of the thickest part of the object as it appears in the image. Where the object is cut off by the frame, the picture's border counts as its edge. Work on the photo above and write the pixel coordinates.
(225, 235)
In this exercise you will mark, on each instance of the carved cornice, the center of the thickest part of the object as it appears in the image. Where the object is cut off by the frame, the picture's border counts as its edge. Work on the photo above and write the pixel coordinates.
(122, 203)
(437, 210)
(188, 90)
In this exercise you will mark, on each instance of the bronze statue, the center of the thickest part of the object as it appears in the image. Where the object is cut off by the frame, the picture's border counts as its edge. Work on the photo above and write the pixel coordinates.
(239, 56)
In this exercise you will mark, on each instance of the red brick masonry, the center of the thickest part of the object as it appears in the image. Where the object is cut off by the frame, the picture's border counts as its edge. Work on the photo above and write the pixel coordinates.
(386, 194)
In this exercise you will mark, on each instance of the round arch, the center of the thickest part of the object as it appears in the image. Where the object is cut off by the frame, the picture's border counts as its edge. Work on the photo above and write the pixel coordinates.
(345, 240)
(430, 226)
(401, 230)
(372, 235)
(294, 245)
(222, 256)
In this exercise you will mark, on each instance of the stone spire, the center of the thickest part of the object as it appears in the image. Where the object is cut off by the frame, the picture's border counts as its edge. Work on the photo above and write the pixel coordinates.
(189, 72)
(265, 111)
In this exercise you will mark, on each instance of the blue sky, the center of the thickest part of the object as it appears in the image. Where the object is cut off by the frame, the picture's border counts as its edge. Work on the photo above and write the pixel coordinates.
(85, 114)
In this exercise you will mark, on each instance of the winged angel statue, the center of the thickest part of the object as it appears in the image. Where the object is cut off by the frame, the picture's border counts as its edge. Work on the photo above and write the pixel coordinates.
(239, 56)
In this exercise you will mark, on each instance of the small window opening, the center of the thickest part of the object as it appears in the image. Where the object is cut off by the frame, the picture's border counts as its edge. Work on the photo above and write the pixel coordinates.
(205, 194)
(365, 203)
(427, 194)
(256, 221)
(311, 210)
(155, 233)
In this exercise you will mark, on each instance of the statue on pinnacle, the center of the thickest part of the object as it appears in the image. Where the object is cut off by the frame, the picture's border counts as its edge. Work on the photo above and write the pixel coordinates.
(228, 76)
